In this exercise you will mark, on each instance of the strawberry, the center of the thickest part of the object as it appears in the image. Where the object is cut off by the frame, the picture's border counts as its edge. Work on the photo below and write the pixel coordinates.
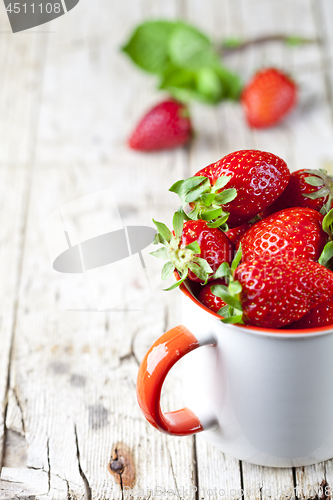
(320, 315)
(276, 292)
(208, 299)
(255, 179)
(167, 125)
(268, 98)
(306, 188)
(295, 233)
(236, 233)
(195, 250)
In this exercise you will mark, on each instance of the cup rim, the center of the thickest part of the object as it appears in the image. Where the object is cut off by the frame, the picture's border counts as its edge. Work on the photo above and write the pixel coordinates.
(320, 330)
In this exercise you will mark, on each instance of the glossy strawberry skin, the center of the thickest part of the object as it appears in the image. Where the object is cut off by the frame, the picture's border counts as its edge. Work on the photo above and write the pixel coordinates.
(259, 178)
(277, 292)
(236, 233)
(215, 246)
(294, 232)
(292, 196)
(268, 98)
(165, 126)
(208, 299)
(320, 315)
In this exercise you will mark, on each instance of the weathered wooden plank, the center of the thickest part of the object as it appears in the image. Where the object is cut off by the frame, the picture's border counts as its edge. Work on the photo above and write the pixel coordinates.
(21, 70)
(74, 372)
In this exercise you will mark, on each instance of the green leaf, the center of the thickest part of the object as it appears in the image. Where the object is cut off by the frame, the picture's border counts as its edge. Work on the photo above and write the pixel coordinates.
(207, 199)
(314, 181)
(190, 49)
(231, 83)
(204, 264)
(226, 196)
(148, 46)
(179, 282)
(232, 43)
(224, 311)
(235, 288)
(161, 253)
(326, 254)
(327, 221)
(209, 85)
(237, 258)
(211, 214)
(220, 222)
(236, 319)
(158, 239)
(167, 270)
(163, 230)
(176, 187)
(219, 291)
(221, 182)
(317, 194)
(194, 247)
(223, 271)
(193, 182)
(197, 192)
(198, 271)
(177, 223)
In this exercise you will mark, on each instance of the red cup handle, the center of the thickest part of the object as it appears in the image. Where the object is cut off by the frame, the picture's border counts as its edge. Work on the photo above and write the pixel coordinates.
(160, 358)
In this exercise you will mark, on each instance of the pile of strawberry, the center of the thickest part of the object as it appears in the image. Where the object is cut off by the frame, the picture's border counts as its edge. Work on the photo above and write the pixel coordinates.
(257, 240)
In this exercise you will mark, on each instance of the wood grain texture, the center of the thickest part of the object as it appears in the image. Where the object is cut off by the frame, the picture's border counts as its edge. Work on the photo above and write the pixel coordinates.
(71, 407)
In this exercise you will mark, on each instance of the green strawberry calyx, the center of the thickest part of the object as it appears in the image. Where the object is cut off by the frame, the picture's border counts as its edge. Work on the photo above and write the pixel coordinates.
(205, 200)
(233, 311)
(326, 257)
(320, 178)
(180, 258)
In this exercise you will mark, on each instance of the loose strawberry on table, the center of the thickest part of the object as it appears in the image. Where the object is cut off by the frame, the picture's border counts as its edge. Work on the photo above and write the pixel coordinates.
(165, 126)
(294, 232)
(268, 98)
(241, 184)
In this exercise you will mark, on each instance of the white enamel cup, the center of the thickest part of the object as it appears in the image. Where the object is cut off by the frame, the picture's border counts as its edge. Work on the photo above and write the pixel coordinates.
(264, 396)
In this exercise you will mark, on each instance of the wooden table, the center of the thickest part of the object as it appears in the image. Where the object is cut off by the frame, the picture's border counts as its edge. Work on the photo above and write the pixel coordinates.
(68, 99)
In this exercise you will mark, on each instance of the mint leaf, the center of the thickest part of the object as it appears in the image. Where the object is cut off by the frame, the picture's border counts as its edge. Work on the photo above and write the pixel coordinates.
(209, 85)
(190, 49)
(148, 47)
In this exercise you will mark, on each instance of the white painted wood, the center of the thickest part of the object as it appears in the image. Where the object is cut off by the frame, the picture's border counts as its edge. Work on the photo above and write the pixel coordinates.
(72, 389)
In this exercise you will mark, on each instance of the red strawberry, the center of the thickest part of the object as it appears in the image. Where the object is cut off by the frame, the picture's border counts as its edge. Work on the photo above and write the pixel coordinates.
(255, 177)
(295, 233)
(195, 250)
(236, 233)
(208, 299)
(167, 125)
(268, 98)
(320, 315)
(276, 292)
(306, 188)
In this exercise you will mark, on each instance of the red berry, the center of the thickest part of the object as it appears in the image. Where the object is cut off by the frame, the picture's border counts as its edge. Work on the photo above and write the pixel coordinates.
(208, 299)
(294, 232)
(215, 246)
(268, 98)
(258, 177)
(236, 233)
(320, 315)
(167, 125)
(277, 292)
(298, 189)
